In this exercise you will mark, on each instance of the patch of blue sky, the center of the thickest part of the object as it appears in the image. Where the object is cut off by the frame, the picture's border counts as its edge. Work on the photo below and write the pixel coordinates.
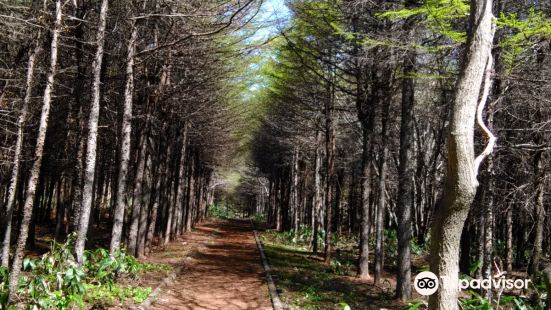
(271, 18)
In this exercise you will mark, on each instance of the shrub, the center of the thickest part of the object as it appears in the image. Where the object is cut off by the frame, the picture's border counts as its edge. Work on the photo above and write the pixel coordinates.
(4, 284)
(221, 211)
(57, 281)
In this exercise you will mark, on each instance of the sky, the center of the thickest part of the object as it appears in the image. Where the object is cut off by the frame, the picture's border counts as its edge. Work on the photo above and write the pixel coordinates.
(273, 15)
(269, 22)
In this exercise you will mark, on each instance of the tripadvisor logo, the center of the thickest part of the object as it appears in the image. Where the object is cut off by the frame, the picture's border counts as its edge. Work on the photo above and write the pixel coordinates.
(426, 283)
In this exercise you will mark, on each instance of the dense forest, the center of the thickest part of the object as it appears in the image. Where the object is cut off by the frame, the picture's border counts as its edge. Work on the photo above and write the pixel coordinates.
(406, 135)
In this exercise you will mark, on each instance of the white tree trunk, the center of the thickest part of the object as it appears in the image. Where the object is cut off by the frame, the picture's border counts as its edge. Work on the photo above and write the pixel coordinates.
(17, 156)
(35, 171)
(91, 143)
(182, 184)
(118, 218)
(461, 183)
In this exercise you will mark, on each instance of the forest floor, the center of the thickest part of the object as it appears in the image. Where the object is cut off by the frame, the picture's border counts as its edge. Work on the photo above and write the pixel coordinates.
(221, 269)
(305, 282)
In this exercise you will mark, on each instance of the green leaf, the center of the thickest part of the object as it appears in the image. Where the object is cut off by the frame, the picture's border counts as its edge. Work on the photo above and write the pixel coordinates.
(474, 267)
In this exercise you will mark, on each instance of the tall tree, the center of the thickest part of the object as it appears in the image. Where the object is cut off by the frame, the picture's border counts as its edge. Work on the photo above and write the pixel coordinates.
(18, 150)
(461, 182)
(120, 203)
(38, 154)
(91, 143)
(406, 174)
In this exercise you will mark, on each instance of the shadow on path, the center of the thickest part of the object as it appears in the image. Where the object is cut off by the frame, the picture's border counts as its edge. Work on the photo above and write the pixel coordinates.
(224, 273)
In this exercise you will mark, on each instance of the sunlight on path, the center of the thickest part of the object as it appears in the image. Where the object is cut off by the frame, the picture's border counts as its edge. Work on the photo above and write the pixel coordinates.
(225, 272)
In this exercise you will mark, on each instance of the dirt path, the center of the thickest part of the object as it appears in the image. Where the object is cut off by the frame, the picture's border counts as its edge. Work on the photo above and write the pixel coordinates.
(223, 273)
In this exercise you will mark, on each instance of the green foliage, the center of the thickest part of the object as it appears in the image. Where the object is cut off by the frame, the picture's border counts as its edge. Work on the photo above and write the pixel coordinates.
(4, 286)
(523, 303)
(107, 295)
(342, 268)
(416, 305)
(57, 281)
(539, 293)
(103, 268)
(259, 217)
(442, 16)
(439, 15)
(221, 211)
(390, 245)
(418, 249)
(312, 294)
(524, 30)
(474, 267)
(309, 284)
(475, 302)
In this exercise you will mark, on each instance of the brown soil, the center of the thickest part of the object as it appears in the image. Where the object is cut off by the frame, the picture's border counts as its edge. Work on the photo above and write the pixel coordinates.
(224, 271)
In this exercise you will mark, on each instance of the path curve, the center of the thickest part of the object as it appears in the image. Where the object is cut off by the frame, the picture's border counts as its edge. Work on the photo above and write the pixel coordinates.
(224, 273)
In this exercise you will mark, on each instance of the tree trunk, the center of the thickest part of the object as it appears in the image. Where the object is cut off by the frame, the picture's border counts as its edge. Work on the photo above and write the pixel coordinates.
(379, 251)
(509, 237)
(60, 210)
(488, 234)
(190, 192)
(145, 198)
(539, 209)
(294, 192)
(91, 143)
(329, 179)
(363, 264)
(17, 155)
(406, 172)
(279, 202)
(489, 215)
(120, 205)
(461, 183)
(181, 183)
(137, 202)
(38, 153)
(316, 213)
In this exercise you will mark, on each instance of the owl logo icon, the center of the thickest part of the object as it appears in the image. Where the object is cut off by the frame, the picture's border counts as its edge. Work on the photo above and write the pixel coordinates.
(426, 283)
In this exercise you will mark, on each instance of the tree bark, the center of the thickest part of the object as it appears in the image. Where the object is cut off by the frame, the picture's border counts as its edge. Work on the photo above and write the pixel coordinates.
(294, 192)
(488, 233)
(509, 237)
(91, 143)
(406, 173)
(539, 211)
(379, 251)
(120, 205)
(145, 198)
(461, 183)
(190, 192)
(330, 173)
(38, 153)
(17, 154)
(137, 202)
(181, 183)
(316, 214)
(363, 264)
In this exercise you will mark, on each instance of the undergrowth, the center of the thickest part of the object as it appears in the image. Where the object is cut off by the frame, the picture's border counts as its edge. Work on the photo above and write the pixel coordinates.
(57, 281)
(307, 283)
(221, 210)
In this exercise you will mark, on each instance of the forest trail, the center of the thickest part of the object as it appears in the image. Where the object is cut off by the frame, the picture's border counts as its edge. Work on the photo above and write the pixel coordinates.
(224, 272)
